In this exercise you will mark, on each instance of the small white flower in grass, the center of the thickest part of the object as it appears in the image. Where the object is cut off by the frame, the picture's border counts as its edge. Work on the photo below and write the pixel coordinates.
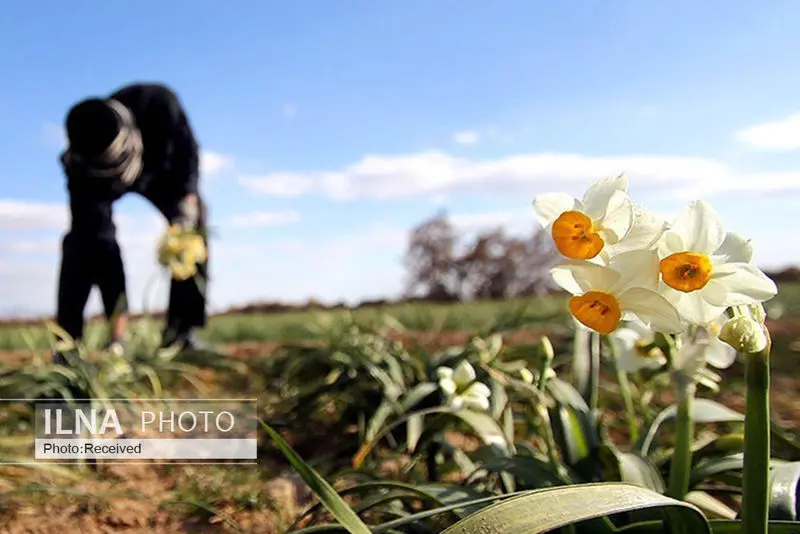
(461, 388)
(633, 343)
(704, 270)
(625, 289)
(581, 229)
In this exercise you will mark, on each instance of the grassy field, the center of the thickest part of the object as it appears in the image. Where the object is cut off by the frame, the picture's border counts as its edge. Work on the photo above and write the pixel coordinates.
(281, 327)
(278, 327)
(325, 425)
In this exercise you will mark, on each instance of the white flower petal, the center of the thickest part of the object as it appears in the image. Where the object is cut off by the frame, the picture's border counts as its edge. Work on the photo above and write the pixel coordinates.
(456, 402)
(689, 359)
(651, 308)
(700, 228)
(735, 248)
(463, 374)
(637, 268)
(671, 243)
(475, 403)
(645, 333)
(645, 232)
(578, 277)
(618, 217)
(597, 197)
(692, 307)
(630, 362)
(624, 340)
(478, 389)
(733, 284)
(444, 372)
(550, 205)
(719, 354)
(448, 385)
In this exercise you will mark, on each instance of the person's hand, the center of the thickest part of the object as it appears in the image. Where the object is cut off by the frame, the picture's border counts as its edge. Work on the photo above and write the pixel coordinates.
(188, 212)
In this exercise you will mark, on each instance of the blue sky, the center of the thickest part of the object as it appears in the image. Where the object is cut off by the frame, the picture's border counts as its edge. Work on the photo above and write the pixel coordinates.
(331, 128)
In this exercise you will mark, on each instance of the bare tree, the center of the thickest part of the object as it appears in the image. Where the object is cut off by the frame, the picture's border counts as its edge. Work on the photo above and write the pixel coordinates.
(429, 259)
(443, 265)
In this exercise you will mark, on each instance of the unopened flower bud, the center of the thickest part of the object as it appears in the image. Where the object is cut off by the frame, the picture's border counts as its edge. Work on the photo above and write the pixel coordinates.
(744, 334)
(526, 375)
(546, 349)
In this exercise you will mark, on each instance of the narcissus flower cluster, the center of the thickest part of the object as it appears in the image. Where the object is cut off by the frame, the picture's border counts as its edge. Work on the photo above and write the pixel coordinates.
(462, 389)
(181, 250)
(623, 262)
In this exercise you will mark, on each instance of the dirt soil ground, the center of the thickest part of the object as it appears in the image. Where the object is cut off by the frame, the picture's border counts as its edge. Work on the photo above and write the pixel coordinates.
(285, 496)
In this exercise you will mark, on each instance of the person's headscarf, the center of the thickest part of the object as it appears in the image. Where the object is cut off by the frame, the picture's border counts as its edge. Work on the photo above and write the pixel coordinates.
(120, 164)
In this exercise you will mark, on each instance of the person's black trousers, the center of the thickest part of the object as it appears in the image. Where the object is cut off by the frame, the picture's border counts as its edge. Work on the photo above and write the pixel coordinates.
(92, 257)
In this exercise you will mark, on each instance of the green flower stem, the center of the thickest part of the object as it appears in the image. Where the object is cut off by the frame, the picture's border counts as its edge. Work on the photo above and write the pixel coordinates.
(681, 465)
(755, 498)
(546, 427)
(625, 390)
(594, 371)
(546, 431)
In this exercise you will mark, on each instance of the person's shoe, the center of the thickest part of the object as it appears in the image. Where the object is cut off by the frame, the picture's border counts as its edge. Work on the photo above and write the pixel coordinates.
(186, 340)
(116, 346)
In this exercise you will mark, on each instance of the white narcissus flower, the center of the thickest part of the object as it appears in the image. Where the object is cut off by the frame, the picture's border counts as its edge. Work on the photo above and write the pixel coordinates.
(704, 270)
(461, 388)
(625, 289)
(631, 343)
(605, 223)
(581, 229)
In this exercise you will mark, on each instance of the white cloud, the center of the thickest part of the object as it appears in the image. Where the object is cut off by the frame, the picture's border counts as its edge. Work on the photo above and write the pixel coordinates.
(776, 135)
(289, 110)
(212, 163)
(436, 173)
(264, 218)
(514, 221)
(27, 215)
(284, 184)
(467, 137)
(31, 246)
(438, 200)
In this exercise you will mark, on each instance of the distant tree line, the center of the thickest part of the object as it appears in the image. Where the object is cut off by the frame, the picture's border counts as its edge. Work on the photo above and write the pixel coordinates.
(444, 264)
